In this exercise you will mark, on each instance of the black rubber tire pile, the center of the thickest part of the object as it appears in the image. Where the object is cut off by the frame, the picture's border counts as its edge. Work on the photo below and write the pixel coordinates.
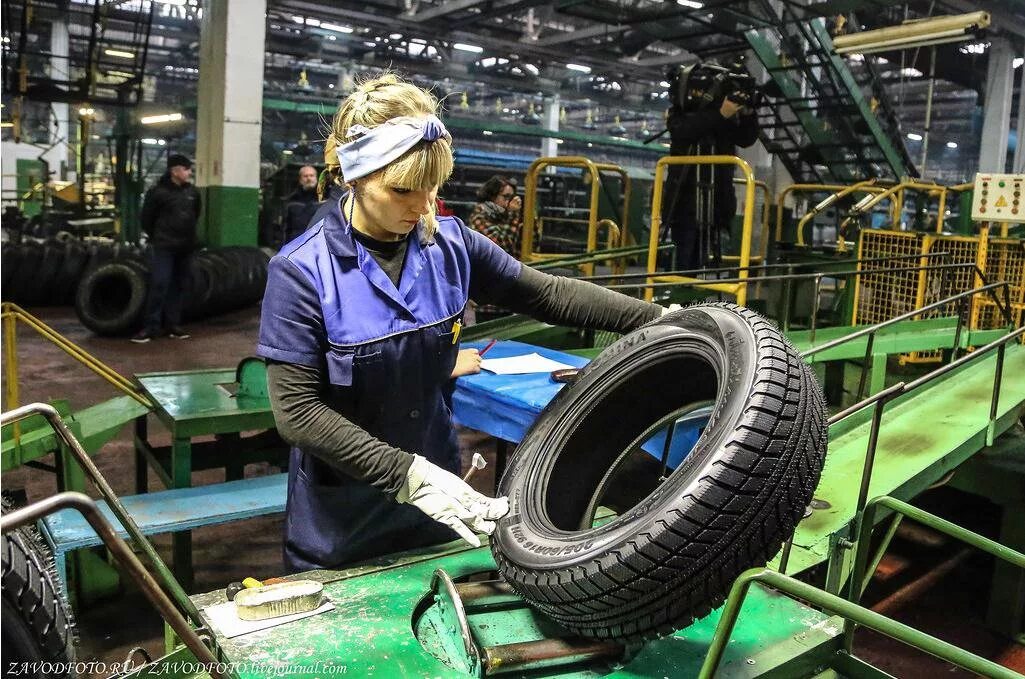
(111, 298)
(47, 272)
(108, 282)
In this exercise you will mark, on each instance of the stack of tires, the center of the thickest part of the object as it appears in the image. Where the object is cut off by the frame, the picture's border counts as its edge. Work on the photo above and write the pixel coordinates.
(111, 297)
(47, 272)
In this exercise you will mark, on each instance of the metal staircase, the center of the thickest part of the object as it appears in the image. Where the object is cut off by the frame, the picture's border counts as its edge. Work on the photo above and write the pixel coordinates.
(826, 123)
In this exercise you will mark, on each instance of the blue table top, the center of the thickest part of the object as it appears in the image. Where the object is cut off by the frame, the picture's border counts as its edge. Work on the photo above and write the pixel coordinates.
(506, 405)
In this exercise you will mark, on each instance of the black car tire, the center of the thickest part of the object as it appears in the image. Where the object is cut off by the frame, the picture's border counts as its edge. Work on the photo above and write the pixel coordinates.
(111, 297)
(673, 555)
(38, 629)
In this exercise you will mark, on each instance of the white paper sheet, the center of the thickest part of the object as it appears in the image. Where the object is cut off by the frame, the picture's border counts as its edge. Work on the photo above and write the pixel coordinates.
(224, 619)
(521, 365)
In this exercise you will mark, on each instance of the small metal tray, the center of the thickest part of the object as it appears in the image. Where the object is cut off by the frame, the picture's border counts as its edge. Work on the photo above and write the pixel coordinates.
(284, 598)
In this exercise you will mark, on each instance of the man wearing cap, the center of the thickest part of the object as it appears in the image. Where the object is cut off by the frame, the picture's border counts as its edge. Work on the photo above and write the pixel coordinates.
(170, 213)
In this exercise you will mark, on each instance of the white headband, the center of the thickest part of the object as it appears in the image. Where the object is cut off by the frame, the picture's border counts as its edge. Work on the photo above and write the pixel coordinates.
(374, 148)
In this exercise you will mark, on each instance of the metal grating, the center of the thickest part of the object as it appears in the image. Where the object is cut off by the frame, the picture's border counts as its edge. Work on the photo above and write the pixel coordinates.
(1005, 261)
(880, 293)
(946, 282)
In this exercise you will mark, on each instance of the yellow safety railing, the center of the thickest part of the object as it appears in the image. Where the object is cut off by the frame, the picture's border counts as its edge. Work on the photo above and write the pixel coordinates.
(866, 187)
(763, 244)
(738, 289)
(11, 314)
(530, 206)
(896, 194)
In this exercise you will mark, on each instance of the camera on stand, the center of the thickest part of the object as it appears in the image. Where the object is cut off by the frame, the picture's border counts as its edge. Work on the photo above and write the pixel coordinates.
(703, 85)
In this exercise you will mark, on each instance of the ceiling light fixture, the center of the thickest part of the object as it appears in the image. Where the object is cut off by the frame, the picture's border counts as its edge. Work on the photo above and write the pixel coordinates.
(466, 47)
(579, 67)
(119, 53)
(951, 144)
(336, 28)
(690, 3)
(914, 136)
(161, 118)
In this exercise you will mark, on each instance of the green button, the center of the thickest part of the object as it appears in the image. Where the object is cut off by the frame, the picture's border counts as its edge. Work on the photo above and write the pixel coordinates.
(1001, 185)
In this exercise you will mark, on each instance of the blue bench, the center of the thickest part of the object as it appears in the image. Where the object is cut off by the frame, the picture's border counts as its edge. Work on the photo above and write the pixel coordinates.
(168, 511)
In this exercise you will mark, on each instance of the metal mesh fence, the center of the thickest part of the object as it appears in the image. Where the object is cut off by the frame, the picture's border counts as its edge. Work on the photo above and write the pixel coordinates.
(882, 292)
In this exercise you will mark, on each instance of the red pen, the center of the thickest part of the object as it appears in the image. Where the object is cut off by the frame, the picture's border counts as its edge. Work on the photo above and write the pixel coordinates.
(489, 345)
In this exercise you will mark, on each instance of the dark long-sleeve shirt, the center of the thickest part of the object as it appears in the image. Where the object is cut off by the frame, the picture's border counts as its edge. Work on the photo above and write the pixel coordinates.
(170, 213)
(306, 419)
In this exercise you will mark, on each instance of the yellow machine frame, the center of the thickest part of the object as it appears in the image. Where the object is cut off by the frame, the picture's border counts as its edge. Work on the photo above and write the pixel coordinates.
(617, 232)
(738, 289)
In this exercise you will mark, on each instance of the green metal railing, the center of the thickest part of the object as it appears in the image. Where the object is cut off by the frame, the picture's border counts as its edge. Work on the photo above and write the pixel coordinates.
(850, 609)
(863, 567)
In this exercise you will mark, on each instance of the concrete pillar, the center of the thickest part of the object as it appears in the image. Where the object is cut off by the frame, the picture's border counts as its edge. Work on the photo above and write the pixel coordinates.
(229, 120)
(996, 121)
(549, 147)
(60, 128)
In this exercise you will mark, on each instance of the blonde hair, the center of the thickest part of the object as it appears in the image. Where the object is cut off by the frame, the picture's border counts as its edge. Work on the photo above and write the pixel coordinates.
(424, 167)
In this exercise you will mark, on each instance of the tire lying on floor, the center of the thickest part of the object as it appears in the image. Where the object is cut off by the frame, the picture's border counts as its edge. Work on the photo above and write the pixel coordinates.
(673, 555)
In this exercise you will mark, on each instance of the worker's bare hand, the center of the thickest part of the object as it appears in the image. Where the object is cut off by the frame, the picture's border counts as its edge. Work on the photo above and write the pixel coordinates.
(729, 108)
(467, 363)
(515, 204)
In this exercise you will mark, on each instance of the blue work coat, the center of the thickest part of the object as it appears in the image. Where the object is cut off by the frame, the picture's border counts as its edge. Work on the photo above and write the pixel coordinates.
(388, 353)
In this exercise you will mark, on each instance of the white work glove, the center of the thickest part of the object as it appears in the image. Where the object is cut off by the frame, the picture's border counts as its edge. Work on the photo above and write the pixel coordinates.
(670, 309)
(446, 498)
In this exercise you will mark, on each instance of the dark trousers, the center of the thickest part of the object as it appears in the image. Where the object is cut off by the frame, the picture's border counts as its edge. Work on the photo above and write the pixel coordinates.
(168, 273)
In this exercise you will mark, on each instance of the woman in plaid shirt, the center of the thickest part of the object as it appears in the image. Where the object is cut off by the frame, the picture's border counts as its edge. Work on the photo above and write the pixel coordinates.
(498, 216)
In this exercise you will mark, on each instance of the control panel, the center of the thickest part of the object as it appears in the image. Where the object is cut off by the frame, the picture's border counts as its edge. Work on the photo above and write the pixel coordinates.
(998, 198)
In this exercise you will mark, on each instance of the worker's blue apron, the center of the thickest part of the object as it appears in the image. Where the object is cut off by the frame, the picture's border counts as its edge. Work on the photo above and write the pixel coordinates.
(390, 353)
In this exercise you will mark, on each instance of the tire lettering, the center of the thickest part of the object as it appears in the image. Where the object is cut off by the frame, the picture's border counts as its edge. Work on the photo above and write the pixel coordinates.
(530, 546)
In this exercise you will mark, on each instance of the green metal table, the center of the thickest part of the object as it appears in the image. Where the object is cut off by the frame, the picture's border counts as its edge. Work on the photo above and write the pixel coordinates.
(191, 404)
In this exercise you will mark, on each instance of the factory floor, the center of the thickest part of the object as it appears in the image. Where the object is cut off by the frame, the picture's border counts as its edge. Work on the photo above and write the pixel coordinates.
(953, 608)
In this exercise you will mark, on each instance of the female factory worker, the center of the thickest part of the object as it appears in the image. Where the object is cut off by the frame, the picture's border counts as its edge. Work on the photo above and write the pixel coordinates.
(360, 324)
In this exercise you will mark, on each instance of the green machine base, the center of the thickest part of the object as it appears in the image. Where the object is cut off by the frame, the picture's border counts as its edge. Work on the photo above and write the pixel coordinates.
(392, 618)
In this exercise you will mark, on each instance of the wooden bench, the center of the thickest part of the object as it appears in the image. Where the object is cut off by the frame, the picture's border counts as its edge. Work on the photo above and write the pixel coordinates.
(168, 511)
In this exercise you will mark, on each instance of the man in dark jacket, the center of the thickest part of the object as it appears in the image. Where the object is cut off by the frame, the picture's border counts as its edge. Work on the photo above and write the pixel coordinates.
(301, 205)
(714, 130)
(170, 213)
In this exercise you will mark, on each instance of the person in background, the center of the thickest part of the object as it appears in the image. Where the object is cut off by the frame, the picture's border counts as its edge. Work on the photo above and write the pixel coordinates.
(717, 129)
(300, 205)
(497, 215)
(170, 213)
(443, 210)
(360, 328)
